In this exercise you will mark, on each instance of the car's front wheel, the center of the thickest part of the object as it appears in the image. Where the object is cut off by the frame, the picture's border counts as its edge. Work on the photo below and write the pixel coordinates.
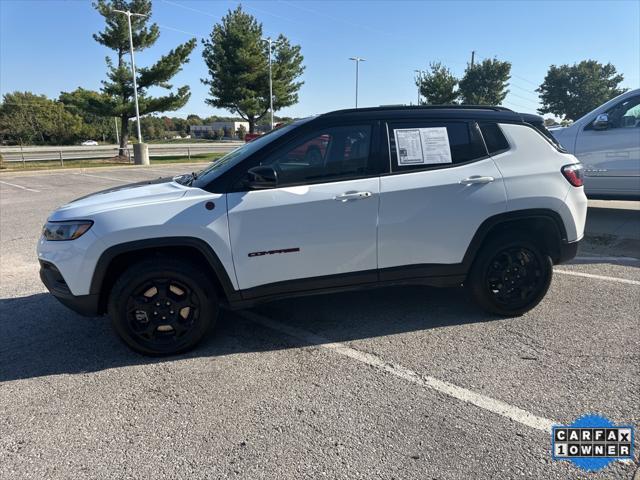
(510, 276)
(162, 306)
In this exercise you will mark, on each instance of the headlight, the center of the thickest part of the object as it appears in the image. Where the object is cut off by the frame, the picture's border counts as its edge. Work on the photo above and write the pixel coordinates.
(65, 230)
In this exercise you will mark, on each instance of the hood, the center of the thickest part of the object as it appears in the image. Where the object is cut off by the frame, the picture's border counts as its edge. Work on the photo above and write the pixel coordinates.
(160, 190)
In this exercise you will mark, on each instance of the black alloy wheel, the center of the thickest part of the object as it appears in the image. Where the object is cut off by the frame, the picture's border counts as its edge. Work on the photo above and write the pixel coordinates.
(510, 275)
(163, 306)
(514, 276)
(162, 310)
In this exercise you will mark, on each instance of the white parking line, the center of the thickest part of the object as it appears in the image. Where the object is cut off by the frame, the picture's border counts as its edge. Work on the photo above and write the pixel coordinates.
(20, 186)
(468, 396)
(103, 177)
(166, 170)
(161, 171)
(598, 277)
(593, 258)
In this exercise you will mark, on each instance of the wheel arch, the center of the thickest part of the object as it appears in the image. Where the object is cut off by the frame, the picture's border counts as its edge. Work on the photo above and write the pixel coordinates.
(115, 259)
(544, 225)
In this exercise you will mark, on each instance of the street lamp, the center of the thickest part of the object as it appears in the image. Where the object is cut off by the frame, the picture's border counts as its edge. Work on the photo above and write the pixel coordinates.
(270, 41)
(115, 122)
(357, 60)
(133, 67)
(420, 73)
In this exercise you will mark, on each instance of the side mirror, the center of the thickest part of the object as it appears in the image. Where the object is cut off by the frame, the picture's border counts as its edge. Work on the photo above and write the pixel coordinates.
(601, 122)
(261, 177)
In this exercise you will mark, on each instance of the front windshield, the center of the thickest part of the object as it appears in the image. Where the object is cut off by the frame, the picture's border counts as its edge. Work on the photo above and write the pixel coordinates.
(231, 159)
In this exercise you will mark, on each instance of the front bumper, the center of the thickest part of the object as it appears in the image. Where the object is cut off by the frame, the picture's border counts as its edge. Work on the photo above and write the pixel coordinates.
(86, 305)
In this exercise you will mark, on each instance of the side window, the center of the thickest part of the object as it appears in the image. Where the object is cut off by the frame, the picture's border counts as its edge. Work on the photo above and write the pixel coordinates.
(422, 145)
(547, 135)
(328, 155)
(626, 114)
(493, 138)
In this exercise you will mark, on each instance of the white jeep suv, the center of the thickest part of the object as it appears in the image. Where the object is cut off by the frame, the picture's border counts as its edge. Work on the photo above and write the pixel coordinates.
(438, 196)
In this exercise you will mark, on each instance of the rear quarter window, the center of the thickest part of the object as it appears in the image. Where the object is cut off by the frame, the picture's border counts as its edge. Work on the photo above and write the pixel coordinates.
(542, 130)
(494, 138)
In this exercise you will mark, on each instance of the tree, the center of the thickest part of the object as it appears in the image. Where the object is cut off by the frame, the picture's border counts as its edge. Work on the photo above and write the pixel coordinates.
(573, 91)
(485, 83)
(237, 60)
(152, 127)
(168, 124)
(241, 132)
(83, 103)
(438, 85)
(26, 118)
(118, 88)
(181, 126)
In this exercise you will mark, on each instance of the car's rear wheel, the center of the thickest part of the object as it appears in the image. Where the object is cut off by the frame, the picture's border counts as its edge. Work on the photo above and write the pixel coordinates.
(510, 276)
(162, 306)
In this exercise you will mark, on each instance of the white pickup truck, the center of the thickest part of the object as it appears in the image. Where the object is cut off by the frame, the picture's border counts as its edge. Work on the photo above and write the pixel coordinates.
(607, 142)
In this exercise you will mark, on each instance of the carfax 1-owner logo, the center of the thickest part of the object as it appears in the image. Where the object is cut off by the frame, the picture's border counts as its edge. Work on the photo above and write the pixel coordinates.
(592, 442)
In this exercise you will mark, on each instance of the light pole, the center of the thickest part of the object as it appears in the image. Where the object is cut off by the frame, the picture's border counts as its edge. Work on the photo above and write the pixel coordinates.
(133, 67)
(115, 122)
(270, 41)
(357, 60)
(419, 72)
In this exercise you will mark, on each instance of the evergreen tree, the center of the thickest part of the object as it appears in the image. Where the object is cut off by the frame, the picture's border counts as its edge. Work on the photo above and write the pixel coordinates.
(237, 59)
(439, 85)
(118, 99)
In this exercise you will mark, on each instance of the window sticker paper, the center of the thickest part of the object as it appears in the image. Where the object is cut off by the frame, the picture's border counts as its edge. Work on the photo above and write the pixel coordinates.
(422, 146)
(409, 146)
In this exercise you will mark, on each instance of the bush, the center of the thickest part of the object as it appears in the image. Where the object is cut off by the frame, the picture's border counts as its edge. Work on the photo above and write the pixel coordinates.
(241, 132)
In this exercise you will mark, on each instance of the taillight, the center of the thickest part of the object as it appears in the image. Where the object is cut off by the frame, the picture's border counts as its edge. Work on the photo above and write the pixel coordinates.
(573, 174)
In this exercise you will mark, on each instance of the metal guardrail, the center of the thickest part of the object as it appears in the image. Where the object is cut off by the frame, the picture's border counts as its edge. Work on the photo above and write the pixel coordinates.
(101, 152)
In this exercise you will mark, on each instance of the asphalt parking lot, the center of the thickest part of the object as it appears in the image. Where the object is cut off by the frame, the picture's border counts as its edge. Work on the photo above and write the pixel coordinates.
(403, 382)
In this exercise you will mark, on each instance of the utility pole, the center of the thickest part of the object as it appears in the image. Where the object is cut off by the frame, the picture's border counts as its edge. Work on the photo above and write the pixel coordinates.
(357, 60)
(270, 41)
(418, 82)
(133, 67)
(473, 57)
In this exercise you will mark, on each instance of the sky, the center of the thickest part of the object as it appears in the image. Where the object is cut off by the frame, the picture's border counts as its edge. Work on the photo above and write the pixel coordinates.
(46, 46)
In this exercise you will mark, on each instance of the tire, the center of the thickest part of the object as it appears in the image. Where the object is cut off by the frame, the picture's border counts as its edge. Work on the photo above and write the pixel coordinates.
(510, 275)
(162, 306)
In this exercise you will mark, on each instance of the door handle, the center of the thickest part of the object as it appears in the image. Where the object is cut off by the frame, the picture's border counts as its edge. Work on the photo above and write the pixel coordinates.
(346, 196)
(476, 179)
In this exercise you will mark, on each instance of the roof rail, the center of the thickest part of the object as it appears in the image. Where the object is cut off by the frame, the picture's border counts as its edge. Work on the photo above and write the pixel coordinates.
(454, 106)
(423, 107)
